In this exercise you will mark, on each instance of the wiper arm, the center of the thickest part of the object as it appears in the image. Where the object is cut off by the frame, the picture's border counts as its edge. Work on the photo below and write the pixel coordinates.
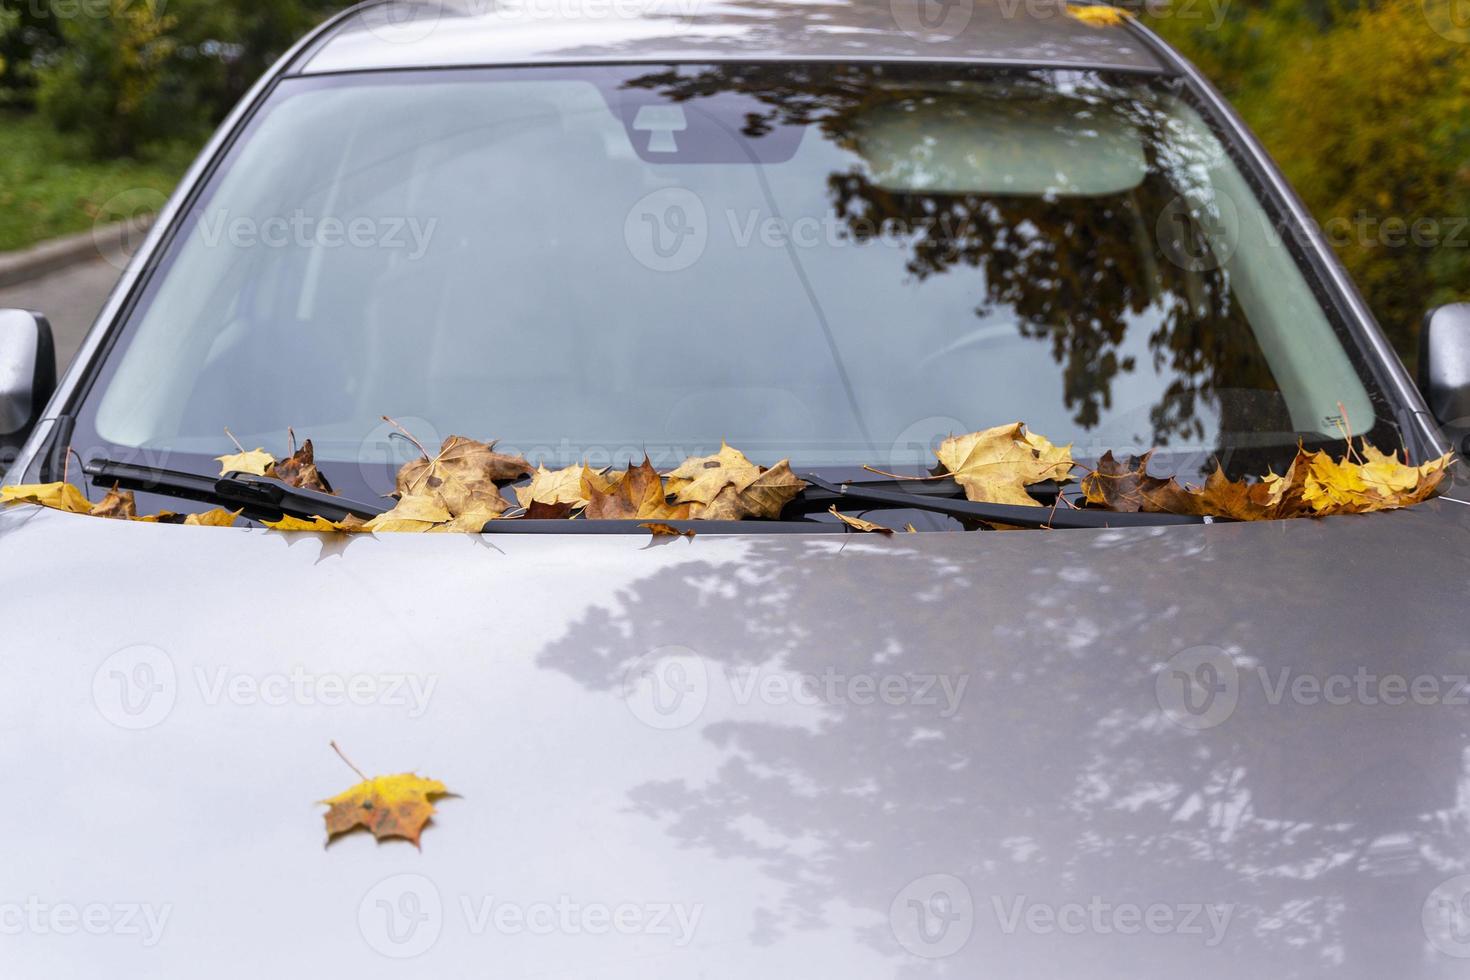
(1014, 515)
(258, 496)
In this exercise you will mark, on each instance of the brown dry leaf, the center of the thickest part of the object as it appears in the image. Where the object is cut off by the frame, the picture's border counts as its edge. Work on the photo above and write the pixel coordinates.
(1128, 489)
(57, 496)
(351, 524)
(666, 531)
(559, 487)
(858, 524)
(299, 470)
(118, 505)
(256, 462)
(463, 477)
(539, 511)
(729, 487)
(389, 806)
(415, 513)
(997, 465)
(637, 494)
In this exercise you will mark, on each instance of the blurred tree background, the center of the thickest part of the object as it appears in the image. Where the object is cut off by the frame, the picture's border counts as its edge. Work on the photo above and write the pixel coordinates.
(1365, 104)
(1366, 107)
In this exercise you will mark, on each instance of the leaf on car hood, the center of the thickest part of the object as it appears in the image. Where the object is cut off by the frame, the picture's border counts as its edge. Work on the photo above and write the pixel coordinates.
(858, 524)
(348, 525)
(636, 494)
(389, 806)
(117, 504)
(562, 486)
(57, 496)
(666, 530)
(1097, 14)
(997, 465)
(729, 487)
(299, 470)
(462, 477)
(1315, 485)
(414, 513)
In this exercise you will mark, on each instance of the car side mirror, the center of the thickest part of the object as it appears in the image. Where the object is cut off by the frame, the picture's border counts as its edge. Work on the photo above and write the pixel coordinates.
(27, 373)
(1444, 363)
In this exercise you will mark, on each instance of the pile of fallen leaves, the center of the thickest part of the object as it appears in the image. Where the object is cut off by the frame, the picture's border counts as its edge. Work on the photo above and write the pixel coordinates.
(1315, 485)
(459, 488)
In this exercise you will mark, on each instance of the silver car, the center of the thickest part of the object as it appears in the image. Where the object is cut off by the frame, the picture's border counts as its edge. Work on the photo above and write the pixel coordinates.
(830, 232)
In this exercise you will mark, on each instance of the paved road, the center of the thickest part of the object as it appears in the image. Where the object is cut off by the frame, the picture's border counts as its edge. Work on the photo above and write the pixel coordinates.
(71, 299)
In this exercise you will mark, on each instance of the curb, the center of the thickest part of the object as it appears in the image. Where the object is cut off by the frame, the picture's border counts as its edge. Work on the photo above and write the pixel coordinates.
(63, 253)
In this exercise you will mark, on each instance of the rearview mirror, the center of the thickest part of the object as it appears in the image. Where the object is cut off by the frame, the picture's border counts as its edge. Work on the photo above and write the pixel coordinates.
(27, 373)
(1444, 363)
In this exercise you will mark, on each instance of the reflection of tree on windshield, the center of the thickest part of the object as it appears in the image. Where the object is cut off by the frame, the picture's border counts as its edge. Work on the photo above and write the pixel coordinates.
(1075, 272)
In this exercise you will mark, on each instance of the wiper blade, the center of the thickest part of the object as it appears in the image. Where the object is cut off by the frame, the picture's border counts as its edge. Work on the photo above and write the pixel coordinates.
(1011, 514)
(259, 496)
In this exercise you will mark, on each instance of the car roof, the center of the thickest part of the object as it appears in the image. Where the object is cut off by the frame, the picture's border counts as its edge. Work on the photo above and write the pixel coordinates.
(457, 33)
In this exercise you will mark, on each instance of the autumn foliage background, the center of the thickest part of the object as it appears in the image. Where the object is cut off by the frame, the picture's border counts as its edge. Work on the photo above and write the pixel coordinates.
(1363, 102)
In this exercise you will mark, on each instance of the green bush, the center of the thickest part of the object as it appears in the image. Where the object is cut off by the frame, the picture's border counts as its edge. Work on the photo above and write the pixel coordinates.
(1367, 110)
(111, 82)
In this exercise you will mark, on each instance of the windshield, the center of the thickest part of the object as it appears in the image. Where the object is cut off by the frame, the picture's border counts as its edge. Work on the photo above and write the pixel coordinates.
(836, 264)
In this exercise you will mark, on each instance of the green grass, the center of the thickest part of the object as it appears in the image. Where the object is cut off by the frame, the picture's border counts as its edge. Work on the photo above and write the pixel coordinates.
(48, 187)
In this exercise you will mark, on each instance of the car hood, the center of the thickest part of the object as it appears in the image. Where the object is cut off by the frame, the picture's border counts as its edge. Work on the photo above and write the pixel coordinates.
(1228, 751)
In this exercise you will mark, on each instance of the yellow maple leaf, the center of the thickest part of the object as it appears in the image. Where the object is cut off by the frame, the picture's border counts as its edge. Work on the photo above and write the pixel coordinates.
(463, 476)
(564, 486)
(57, 496)
(729, 487)
(414, 513)
(256, 462)
(1097, 14)
(997, 465)
(349, 525)
(389, 806)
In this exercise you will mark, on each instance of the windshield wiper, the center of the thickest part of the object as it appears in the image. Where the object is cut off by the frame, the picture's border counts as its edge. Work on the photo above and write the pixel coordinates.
(259, 496)
(1011, 514)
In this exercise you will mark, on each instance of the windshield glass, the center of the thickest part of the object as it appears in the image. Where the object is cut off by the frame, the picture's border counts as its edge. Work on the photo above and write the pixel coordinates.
(836, 264)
